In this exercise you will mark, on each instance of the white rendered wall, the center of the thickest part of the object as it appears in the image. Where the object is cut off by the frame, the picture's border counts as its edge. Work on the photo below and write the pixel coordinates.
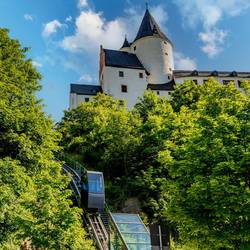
(76, 99)
(156, 55)
(135, 86)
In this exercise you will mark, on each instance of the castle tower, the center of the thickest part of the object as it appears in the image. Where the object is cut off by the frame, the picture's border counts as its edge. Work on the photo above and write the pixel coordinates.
(154, 50)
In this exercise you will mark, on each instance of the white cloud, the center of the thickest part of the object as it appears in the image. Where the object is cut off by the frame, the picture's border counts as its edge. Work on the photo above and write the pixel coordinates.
(213, 41)
(28, 17)
(82, 3)
(68, 19)
(37, 64)
(209, 13)
(92, 29)
(184, 63)
(86, 78)
(51, 28)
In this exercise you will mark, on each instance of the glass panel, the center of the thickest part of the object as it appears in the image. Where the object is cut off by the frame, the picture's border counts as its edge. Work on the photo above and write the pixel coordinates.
(131, 228)
(95, 183)
(133, 231)
(126, 218)
(136, 238)
(139, 247)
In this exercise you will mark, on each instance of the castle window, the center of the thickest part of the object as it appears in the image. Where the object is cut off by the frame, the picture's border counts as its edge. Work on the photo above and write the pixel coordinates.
(158, 92)
(170, 69)
(166, 54)
(121, 74)
(124, 88)
(135, 48)
(165, 42)
(86, 99)
(168, 77)
(141, 75)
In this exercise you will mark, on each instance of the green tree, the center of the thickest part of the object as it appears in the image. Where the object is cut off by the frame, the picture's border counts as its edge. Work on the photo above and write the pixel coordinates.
(103, 133)
(207, 193)
(34, 200)
(156, 127)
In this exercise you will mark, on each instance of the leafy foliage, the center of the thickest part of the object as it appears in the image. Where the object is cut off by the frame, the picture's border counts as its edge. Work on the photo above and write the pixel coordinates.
(103, 133)
(209, 186)
(34, 200)
(187, 158)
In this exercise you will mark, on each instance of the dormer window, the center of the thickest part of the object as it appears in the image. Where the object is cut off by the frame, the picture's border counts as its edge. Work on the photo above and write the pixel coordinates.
(121, 74)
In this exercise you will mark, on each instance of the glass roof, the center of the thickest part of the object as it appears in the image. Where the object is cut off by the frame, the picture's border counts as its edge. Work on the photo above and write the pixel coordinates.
(133, 231)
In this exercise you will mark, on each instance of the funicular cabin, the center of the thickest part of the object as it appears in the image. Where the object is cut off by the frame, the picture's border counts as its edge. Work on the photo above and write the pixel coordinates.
(93, 191)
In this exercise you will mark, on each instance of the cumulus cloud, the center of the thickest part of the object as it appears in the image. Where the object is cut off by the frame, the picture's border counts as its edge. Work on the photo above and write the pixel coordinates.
(92, 29)
(82, 3)
(68, 19)
(213, 41)
(28, 17)
(51, 27)
(209, 13)
(184, 63)
(37, 64)
(86, 78)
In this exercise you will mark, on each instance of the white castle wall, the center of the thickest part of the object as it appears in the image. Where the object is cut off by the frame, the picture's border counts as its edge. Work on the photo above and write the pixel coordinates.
(135, 85)
(156, 55)
(76, 99)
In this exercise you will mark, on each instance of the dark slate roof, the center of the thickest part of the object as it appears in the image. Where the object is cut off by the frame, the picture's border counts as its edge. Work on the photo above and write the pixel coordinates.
(126, 44)
(149, 27)
(196, 73)
(164, 86)
(122, 59)
(83, 89)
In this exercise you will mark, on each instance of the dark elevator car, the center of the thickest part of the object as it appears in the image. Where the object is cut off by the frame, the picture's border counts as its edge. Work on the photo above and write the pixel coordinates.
(93, 191)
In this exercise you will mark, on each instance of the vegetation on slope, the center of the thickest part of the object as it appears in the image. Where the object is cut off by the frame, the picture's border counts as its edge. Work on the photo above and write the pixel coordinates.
(34, 199)
(187, 159)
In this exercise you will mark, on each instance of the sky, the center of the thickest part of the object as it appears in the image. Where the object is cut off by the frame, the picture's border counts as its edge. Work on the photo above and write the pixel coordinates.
(64, 36)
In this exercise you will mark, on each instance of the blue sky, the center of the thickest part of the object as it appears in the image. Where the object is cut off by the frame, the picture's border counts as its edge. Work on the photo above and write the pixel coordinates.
(65, 35)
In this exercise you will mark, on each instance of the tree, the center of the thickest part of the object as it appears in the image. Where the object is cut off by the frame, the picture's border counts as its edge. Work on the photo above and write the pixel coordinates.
(34, 200)
(103, 133)
(156, 127)
(207, 157)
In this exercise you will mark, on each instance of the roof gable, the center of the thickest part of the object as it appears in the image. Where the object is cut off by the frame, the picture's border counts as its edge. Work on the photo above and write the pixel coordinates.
(84, 89)
(116, 58)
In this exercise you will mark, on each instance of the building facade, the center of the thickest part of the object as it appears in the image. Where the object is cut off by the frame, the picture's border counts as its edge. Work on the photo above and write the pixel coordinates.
(145, 63)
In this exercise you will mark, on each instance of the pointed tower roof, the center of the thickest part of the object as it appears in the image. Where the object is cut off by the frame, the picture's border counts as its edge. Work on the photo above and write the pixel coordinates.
(126, 44)
(149, 27)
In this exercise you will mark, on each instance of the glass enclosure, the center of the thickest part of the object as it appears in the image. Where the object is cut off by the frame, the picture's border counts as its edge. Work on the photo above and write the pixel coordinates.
(95, 183)
(133, 233)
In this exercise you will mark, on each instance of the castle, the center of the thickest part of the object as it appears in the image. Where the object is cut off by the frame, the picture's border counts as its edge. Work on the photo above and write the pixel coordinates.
(145, 63)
